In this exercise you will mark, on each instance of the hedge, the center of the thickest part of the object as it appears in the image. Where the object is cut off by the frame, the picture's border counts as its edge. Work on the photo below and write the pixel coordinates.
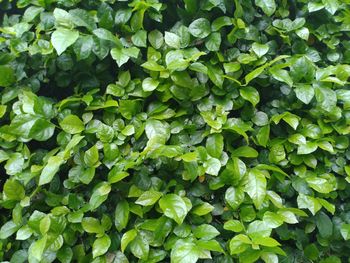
(175, 131)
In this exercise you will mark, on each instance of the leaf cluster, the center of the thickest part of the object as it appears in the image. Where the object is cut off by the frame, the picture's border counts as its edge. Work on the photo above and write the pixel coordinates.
(174, 131)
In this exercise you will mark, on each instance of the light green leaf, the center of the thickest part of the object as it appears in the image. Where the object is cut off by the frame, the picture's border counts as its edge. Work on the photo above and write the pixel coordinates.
(127, 238)
(148, 198)
(200, 28)
(174, 207)
(140, 38)
(72, 124)
(256, 187)
(331, 5)
(205, 232)
(91, 156)
(260, 49)
(149, 84)
(213, 42)
(50, 169)
(100, 246)
(281, 75)
(305, 93)
(268, 6)
(13, 190)
(308, 202)
(212, 166)
(8, 229)
(345, 231)
(37, 248)
(234, 225)
(308, 147)
(172, 40)
(215, 145)
(234, 197)
(92, 225)
(63, 38)
(184, 252)
(245, 151)
(250, 94)
(122, 212)
(239, 244)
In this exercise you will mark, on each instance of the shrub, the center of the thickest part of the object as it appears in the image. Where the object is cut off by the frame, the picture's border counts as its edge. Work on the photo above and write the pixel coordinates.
(182, 131)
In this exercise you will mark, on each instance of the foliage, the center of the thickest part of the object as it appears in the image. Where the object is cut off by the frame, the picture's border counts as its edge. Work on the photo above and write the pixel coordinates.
(182, 131)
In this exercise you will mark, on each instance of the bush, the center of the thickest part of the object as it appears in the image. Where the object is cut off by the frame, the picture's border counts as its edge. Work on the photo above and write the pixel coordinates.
(182, 131)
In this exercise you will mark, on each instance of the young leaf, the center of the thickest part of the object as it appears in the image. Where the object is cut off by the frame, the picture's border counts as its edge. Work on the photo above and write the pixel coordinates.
(63, 38)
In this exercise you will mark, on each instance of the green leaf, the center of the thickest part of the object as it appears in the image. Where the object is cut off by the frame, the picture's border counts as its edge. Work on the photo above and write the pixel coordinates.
(82, 18)
(72, 124)
(63, 38)
(324, 225)
(245, 151)
(13, 190)
(273, 220)
(331, 5)
(200, 28)
(205, 232)
(266, 241)
(148, 198)
(24, 233)
(277, 153)
(281, 75)
(157, 130)
(256, 187)
(122, 212)
(268, 6)
(303, 33)
(7, 76)
(308, 202)
(211, 245)
(149, 84)
(326, 98)
(37, 248)
(263, 135)
(140, 38)
(101, 246)
(184, 252)
(215, 145)
(91, 156)
(8, 229)
(14, 165)
(254, 74)
(220, 22)
(307, 148)
(213, 42)
(202, 209)
(105, 34)
(212, 166)
(234, 225)
(239, 244)
(260, 49)
(50, 169)
(345, 231)
(91, 225)
(156, 39)
(139, 247)
(258, 229)
(174, 207)
(250, 94)
(305, 93)
(321, 185)
(127, 238)
(234, 197)
(172, 40)
(99, 195)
